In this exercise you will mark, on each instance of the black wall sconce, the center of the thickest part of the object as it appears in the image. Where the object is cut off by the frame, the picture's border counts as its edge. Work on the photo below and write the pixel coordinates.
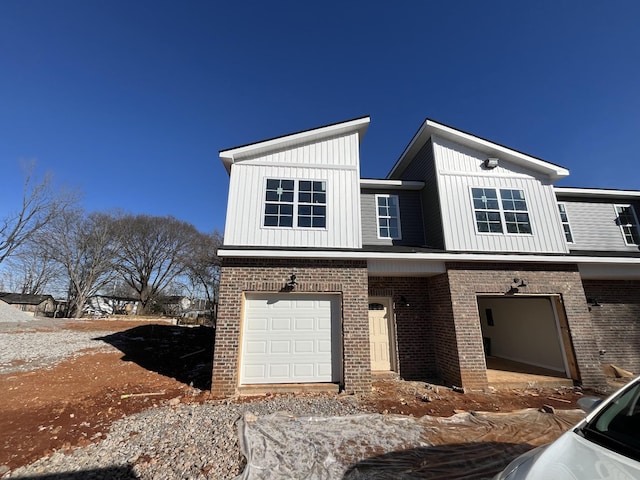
(517, 284)
(291, 283)
(594, 302)
(403, 301)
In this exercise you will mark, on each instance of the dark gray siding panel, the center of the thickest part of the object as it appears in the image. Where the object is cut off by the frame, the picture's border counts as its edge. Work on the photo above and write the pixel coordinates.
(422, 168)
(410, 215)
(593, 225)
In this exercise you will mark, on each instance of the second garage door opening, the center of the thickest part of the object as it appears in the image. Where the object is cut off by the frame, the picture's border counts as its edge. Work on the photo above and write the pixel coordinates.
(522, 334)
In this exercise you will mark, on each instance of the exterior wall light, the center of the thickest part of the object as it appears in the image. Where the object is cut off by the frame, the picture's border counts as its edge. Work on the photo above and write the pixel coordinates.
(490, 163)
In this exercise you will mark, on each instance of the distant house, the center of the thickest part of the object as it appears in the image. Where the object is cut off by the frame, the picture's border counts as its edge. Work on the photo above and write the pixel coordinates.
(100, 305)
(174, 304)
(36, 305)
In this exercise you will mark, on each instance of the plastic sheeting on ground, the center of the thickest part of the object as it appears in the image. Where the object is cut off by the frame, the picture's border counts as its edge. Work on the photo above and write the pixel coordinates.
(372, 446)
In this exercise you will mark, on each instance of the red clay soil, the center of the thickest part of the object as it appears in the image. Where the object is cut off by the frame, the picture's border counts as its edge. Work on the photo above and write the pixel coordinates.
(75, 402)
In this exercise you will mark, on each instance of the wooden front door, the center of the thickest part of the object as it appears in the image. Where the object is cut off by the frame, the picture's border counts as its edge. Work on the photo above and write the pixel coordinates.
(379, 316)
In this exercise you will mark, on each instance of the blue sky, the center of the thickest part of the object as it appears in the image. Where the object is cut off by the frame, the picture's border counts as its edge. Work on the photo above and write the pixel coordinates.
(130, 101)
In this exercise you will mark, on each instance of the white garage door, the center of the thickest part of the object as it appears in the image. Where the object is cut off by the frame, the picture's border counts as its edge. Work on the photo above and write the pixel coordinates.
(288, 339)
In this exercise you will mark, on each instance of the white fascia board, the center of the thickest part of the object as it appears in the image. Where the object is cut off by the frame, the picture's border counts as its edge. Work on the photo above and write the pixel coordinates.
(391, 184)
(437, 257)
(596, 192)
(430, 128)
(232, 155)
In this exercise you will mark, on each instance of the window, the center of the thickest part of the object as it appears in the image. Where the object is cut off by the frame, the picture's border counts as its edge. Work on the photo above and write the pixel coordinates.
(565, 222)
(312, 204)
(278, 209)
(496, 215)
(485, 203)
(388, 215)
(628, 224)
(295, 203)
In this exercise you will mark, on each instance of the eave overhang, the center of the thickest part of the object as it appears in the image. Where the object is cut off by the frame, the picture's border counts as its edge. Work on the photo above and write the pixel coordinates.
(232, 155)
(431, 128)
(391, 184)
(596, 193)
(437, 257)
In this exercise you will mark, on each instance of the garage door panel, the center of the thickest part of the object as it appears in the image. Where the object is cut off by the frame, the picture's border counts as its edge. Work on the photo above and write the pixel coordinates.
(279, 346)
(305, 324)
(257, 324)
(259, 347)
(288, 340)
(281, 324)
(279, 370)
(324, 346)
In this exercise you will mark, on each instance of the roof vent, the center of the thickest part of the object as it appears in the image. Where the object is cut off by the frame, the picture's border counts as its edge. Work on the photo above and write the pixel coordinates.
(491, 162)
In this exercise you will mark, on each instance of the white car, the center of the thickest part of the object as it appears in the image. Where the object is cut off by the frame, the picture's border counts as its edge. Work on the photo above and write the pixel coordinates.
(605, 445)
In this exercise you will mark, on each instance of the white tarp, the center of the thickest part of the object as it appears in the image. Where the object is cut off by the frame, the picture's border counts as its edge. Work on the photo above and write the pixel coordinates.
(372, 446)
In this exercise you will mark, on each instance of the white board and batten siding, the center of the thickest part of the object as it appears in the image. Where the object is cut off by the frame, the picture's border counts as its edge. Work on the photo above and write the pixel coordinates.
(334, 160)
(459, 169)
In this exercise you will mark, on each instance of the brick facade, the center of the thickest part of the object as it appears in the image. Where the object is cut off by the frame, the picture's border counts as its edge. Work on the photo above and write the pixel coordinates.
(347, 278)
(415, 354)
(468, 280)
(616, 320)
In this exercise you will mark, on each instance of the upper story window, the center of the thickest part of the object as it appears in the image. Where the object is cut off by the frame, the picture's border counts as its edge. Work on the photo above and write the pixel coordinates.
(500, 211)
(564, 218)
(388, 215)
(312, 204)
(295, 203)
(628, 224)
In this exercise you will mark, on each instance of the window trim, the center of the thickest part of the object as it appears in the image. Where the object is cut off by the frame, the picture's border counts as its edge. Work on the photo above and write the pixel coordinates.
(295, 204)
(378, 217)
(632, 225)
(568, 223)
(501, 211)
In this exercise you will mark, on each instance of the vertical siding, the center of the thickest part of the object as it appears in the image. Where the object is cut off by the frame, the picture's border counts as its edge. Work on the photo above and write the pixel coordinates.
(410, 215)
(422, 168)
(459, 169)
(593, 225)
(334, 160)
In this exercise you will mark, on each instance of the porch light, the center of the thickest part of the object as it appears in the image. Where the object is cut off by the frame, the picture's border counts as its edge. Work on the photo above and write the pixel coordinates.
(403, 301)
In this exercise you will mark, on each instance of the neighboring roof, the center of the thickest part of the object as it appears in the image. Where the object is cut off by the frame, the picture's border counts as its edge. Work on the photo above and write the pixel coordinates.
(596, 192)
(430, 127)
(231, 155)
(23, 298)
(391, 184)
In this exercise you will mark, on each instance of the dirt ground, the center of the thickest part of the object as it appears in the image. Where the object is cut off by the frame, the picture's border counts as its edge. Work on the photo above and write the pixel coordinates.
(74, 402)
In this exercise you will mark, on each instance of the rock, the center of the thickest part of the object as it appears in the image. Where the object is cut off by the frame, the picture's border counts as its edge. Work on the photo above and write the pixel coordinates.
(174, 401)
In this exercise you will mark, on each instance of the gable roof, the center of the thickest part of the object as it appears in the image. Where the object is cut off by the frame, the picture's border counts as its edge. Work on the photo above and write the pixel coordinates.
(231, 155)
(23, 298)
(431, 128)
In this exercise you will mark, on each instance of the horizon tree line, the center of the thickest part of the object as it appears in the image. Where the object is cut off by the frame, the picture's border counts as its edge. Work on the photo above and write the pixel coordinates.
(49, 240)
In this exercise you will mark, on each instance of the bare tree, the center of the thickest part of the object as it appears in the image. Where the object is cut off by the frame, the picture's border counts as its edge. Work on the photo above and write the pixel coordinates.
(31, 269)
(152, 253)
(203, 265)
(85, 246)
(40, 204)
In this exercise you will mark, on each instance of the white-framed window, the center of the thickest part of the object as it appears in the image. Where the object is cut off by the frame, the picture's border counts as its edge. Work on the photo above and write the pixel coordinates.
(501, 210)
(388, 216)
(564, 218)
(628, 222)
(293, 203)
